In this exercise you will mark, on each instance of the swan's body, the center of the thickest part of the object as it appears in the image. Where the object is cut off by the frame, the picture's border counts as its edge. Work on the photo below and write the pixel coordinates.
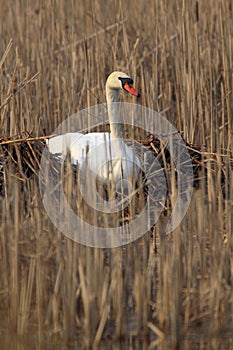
(105, 154)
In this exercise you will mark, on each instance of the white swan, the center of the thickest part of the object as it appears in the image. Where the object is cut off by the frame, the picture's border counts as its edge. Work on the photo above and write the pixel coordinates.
(105, 154)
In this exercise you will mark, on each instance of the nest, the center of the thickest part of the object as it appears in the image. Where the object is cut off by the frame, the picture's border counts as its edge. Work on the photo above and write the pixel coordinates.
(23, 154)
(19, 156)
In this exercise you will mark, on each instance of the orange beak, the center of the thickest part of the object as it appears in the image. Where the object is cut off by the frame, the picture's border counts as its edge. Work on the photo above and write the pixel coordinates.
(131, 90)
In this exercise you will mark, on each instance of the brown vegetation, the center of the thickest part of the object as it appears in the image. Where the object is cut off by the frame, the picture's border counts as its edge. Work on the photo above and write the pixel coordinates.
(55, 57)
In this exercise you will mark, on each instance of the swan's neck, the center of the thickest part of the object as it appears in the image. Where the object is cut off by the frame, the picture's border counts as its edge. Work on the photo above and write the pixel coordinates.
(113, 110)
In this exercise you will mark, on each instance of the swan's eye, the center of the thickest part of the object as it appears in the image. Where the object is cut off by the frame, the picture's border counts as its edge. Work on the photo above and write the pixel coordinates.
(129, 81)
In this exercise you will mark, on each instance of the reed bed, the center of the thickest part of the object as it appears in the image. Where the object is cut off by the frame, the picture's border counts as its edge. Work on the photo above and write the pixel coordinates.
(164, 292)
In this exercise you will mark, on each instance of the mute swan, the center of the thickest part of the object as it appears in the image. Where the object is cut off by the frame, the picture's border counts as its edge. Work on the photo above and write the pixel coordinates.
(105, 154)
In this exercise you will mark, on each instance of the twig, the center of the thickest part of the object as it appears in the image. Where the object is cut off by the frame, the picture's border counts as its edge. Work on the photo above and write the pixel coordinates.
(24, 84)
(155, 330)
(78, 42)
(213, 154)
(172, 37)
(6, 52)
(28, 139)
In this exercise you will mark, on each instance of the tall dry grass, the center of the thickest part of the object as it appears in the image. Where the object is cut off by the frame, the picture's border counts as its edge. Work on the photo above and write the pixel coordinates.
(56, 56)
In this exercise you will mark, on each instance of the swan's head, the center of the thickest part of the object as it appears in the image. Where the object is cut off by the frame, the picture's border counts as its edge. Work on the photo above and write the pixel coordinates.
(118, 81)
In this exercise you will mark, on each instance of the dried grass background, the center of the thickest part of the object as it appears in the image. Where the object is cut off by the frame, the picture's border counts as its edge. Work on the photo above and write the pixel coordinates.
(54, 293)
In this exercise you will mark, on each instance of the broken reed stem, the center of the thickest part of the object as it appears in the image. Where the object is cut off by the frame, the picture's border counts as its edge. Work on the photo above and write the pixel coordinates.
(4, 56)
(21, 86)
(27, 139)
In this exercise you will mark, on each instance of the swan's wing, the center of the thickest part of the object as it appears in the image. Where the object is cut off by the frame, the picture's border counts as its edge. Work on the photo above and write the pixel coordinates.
(89, 143)
(76, 143)
(61, 144)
